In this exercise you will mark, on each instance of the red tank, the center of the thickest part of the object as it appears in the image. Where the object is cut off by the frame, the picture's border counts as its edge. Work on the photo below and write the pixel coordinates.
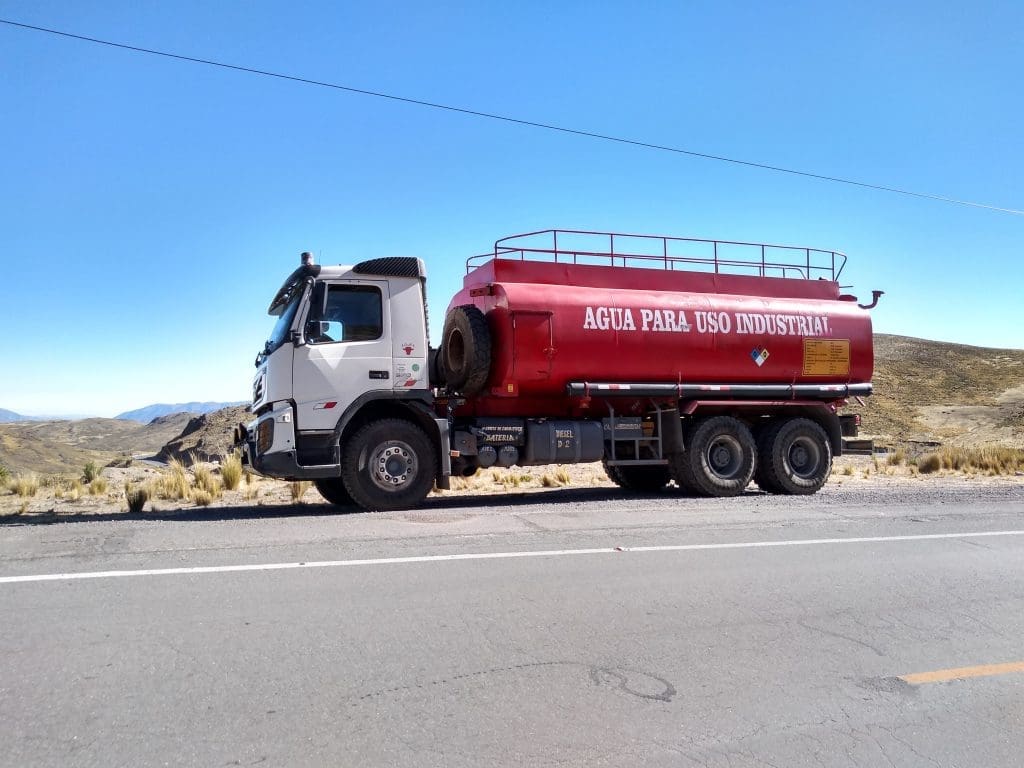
(555, 323)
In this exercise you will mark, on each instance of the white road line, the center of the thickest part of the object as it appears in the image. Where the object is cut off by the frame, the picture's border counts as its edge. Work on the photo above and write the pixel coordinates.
(494, 556)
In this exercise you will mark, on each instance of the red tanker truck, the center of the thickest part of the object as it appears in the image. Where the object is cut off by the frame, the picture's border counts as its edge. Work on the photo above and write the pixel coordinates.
(709, 363)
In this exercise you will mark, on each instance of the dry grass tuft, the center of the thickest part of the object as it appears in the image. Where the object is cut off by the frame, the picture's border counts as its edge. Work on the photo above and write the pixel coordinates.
(173, 484)
(231, 471)
(200, 498)
(98, 486)
(897, 457)
(136, 496)
(298, 489)
(24, 484)
(991, 460)
(205, 480)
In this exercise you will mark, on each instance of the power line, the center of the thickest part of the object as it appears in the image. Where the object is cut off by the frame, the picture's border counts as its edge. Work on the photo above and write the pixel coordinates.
(514, 120)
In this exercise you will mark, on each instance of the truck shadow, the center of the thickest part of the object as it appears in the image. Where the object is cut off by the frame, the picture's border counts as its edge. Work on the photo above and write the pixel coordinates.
(432, 505)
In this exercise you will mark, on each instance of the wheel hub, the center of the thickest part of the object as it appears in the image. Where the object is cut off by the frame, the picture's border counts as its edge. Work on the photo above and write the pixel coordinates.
(804, 457)
(393, 465)
(725, 455)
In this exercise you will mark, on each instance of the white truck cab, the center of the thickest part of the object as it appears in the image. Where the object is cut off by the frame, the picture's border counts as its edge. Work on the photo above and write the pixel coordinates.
(349, 350)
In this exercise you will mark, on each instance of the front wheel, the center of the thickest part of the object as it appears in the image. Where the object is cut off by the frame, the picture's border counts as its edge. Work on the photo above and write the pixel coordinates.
(333, 490)
(719, 457)
(388, 465)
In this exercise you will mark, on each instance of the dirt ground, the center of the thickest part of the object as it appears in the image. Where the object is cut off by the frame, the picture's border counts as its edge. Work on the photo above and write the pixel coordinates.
(56, 494)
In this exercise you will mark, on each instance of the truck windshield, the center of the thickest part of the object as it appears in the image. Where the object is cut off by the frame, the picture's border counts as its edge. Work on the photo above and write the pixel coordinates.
(284, 322)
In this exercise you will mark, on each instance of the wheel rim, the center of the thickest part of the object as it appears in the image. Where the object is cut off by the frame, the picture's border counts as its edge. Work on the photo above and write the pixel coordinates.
(393, 465)
(804, 457)
(725, 456)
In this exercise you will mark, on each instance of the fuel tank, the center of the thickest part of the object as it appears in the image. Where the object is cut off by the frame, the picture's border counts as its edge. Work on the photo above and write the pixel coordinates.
(555, 323)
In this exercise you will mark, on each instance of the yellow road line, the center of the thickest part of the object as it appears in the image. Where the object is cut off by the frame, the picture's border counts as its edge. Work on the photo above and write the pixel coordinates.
(960, 673)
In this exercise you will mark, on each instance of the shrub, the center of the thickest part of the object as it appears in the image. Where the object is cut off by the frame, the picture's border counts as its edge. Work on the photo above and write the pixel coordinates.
(231, 471)
(98, 486)
(26, 484)
(298, 488)
(136, 496)
(930, 462)
(90, 471)
(5, 474)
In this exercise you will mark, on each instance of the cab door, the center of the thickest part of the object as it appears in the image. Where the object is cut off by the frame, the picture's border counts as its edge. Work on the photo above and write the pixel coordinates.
(345, 351)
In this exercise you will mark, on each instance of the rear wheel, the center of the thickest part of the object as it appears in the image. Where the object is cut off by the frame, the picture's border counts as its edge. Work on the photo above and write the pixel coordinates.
(795, 457)
(388, 465)
(643, 479)
(766, 480)
(719, 457)
(333, 490)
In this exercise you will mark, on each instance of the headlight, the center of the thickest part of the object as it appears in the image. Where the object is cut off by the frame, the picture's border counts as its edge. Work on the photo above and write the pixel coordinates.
(264, 435)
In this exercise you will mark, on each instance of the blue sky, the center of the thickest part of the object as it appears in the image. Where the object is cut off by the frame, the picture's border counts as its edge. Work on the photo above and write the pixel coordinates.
(150, 208)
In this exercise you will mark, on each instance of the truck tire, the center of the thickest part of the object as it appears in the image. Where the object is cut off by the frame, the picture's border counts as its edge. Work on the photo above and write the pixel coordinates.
(719, 457)
(764, 479)
(466, 350)
(389, 464)
(435, 371)
(333, 490)
(795, 457)
(642, 479)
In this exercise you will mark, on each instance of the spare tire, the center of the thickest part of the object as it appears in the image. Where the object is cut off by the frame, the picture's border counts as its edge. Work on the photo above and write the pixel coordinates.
(466, 350)
(435, 370)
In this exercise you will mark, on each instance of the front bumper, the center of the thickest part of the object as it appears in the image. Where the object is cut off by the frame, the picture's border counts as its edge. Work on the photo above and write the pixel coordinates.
(268, 446)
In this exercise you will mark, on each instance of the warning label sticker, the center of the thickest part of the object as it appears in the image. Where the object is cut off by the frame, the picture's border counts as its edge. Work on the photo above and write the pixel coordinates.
(826, 357)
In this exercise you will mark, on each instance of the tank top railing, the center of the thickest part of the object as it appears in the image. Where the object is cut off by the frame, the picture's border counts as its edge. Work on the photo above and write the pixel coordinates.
(671, 253)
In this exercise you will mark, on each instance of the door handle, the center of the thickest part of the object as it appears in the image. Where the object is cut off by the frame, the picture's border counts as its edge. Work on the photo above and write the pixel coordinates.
(379, 375)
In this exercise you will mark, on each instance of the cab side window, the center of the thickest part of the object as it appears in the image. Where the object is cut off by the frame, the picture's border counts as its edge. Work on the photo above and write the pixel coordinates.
(351, 313)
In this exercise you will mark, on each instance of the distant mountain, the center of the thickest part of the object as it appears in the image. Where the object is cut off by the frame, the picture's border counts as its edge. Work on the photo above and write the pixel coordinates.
(6, 416)
(150, 412)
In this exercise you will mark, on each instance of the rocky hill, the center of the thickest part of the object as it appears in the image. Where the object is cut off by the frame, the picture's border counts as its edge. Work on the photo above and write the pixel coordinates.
(952, 393)
(65, 445)
(207, 437)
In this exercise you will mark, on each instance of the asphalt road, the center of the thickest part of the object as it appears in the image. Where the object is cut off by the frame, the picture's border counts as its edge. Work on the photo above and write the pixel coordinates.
(658, 632)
